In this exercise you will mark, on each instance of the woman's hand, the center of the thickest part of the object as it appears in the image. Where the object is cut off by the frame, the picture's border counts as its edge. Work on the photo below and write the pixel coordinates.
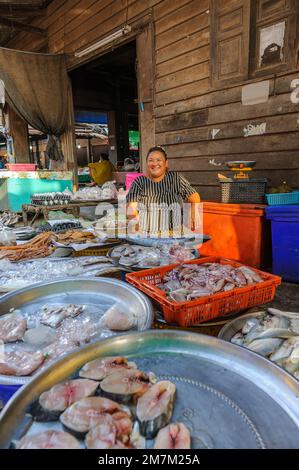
(194, 199)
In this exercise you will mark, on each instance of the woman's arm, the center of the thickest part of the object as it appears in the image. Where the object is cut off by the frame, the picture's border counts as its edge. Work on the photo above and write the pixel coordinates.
(194, 199)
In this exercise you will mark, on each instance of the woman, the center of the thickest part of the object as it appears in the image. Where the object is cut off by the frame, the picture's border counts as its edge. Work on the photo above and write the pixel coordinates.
(157, 199)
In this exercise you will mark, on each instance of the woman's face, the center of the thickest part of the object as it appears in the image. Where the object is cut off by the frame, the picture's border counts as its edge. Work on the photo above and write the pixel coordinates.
(156, 164)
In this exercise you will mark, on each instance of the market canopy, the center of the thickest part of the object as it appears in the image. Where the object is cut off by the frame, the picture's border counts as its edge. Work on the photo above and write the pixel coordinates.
(36, 86)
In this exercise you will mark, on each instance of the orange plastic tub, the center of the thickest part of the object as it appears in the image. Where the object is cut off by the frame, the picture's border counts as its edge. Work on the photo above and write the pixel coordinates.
(205, 308)
(239, 232)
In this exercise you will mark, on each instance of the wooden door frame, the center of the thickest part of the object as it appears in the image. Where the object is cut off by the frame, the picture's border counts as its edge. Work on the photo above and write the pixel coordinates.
(145, 80)
(143, 34)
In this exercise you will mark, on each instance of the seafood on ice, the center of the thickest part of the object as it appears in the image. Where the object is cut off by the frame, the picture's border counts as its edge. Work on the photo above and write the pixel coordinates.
(56, 330)
(94, 421)
(116, 319)
(20, 363)
(192, 281)
(12, 327)
(161, 255)
(53, 316)
(275, 335)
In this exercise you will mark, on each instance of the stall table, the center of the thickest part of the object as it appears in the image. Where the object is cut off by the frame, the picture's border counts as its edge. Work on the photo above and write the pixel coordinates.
(73, 208)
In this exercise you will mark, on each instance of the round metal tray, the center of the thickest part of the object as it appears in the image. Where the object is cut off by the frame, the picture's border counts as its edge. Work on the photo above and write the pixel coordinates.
(150, 241)
(115, 261)
(228, 397)
(92, 292)
(235, 325)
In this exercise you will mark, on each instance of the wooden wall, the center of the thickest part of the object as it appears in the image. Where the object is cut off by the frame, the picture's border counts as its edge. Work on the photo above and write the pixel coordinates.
(186, 105)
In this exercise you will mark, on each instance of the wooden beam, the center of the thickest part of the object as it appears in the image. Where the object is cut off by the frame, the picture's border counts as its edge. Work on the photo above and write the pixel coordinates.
(22, 26)
(21, 10)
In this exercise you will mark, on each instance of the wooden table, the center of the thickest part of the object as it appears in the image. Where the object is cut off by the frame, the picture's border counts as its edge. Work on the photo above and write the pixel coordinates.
(73, 208)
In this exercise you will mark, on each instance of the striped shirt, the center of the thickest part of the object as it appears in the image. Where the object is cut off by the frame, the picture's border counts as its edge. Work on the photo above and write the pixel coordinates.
(160, 203)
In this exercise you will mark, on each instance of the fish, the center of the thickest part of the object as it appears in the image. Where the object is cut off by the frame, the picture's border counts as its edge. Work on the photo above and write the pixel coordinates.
(267, 322)
(238, 339)
(117, 320)
(264, 347)
(87, 413)
(249, 325)
(270, 333)
(275, 311)
(285, 350)
(21, 363)
(252, 277)
(173, 436)
(104, 435)
(137, 441)
(155, 407)
(48, 440)
(12, 327)
(56, 400)
(125, 385)
(53, 316)
(40, 336)
(291, 363)
(99, 369)
(188, 282)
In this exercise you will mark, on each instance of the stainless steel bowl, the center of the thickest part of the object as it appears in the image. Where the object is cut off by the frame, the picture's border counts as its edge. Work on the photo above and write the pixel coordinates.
(82, 291)
(227, 396)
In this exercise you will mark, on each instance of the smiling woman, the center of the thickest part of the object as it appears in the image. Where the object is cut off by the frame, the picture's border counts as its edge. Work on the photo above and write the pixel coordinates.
(156, 200)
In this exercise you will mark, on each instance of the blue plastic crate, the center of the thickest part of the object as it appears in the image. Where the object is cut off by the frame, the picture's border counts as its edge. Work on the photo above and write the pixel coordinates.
(7, 391)
(283, 199)
(285, 241)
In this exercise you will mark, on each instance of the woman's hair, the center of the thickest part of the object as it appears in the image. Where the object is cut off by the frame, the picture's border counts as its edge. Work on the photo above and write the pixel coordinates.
(157, 148)
(104, 156)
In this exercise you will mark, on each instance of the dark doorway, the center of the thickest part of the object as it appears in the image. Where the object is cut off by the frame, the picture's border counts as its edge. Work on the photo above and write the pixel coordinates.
(106, 107)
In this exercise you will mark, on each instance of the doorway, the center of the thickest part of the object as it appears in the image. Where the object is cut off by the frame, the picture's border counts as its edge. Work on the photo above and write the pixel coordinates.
(105, 96)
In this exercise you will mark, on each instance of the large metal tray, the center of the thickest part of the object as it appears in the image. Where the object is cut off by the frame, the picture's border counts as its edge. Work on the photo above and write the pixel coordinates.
(92, 292)
(228, 397)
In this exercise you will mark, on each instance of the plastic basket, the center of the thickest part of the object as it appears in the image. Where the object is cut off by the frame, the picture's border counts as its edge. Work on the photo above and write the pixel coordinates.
(245, 192)
(283, 199)
(206, 308)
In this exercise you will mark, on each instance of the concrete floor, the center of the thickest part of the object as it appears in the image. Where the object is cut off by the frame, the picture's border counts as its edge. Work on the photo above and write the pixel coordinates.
(286, 298)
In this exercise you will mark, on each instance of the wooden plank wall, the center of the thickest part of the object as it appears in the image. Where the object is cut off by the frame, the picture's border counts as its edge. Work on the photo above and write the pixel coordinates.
(186, 107)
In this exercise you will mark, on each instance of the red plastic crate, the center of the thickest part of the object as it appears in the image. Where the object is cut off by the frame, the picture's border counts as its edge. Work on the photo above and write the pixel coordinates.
(205, 308)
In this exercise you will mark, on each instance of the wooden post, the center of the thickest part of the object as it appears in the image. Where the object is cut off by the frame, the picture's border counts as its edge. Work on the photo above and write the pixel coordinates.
(145, 77)
(112, 137)
(19, 132)
(68, 141)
